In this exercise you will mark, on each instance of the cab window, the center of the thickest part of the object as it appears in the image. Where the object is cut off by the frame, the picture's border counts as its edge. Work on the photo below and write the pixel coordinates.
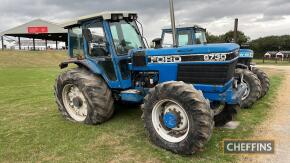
(200, 37)
(167, 40)
(76, 42)
(126, 36)
(97, 46)
(183, 39)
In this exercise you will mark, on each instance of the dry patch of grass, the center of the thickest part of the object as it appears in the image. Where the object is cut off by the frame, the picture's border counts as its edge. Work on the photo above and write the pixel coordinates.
(31, 58)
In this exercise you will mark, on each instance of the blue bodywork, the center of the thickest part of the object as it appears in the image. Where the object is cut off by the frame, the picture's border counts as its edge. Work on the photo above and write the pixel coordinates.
(167, 71)
(246, 53)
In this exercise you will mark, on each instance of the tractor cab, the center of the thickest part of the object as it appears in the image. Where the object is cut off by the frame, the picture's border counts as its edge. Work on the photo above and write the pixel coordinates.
(104, 40)
(186, 35)
(194, 35)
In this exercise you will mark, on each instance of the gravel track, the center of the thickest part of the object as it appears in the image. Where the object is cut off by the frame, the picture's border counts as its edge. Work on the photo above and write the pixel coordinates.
(277, 126)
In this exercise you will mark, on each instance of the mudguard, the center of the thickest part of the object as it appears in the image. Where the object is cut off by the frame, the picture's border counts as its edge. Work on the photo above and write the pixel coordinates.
(81, 63)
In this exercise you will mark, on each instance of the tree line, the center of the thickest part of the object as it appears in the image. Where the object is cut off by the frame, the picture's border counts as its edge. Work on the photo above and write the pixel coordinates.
(260, 45)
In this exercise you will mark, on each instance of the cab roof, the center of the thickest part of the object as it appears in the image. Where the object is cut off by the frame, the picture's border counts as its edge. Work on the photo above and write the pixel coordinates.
(107, 15)
(184, 27)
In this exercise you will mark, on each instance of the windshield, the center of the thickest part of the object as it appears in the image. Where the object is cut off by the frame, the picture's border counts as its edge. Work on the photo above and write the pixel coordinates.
(126, 36)
(184, 37)
(200, 37)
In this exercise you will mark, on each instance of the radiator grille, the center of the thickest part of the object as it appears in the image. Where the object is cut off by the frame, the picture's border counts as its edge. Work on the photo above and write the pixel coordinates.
(213, 74)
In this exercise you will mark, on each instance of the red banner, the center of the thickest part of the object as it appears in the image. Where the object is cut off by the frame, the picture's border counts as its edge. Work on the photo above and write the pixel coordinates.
(36, 30)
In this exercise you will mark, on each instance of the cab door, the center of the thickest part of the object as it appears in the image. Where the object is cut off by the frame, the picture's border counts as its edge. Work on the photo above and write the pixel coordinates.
(98, 52)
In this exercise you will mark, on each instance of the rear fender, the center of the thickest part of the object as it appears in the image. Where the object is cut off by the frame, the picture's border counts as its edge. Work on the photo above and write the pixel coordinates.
(90, 66)
(81, 63)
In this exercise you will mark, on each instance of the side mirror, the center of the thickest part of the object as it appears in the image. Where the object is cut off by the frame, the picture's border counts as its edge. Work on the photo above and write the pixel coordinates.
(157, 43)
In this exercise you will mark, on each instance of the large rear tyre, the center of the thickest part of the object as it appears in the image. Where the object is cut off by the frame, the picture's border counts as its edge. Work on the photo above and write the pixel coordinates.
(254, 88)
(177, 117)
(264, 79)
(227, 114)
(83, 97)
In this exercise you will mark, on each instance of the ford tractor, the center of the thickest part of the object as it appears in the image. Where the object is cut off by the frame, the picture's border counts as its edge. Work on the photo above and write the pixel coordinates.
(245, 64)
(256, 80)
(183, 91)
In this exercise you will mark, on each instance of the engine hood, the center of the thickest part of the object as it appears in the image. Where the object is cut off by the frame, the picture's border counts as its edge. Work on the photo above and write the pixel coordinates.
(194, 49)
(244, 53)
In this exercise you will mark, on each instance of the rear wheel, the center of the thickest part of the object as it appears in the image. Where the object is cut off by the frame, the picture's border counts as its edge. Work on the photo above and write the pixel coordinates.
(177, 117)
(264, 79)
(83, 97)
(253, 90)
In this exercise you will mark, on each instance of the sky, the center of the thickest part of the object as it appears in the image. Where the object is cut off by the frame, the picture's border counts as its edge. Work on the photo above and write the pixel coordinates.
(257, 18)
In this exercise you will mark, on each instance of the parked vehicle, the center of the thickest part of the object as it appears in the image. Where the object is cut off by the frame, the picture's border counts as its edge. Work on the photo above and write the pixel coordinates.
(256, 80)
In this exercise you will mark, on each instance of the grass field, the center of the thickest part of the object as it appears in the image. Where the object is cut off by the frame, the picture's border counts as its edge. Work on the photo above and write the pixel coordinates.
(31, 129)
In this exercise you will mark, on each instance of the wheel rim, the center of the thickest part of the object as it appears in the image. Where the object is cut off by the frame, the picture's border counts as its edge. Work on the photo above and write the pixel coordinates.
(170, 121)
(248, 90)
(75, 102)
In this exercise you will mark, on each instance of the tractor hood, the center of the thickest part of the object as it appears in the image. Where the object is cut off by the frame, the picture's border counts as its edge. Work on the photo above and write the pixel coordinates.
(246, 53)
(227, 52)
(194, 49)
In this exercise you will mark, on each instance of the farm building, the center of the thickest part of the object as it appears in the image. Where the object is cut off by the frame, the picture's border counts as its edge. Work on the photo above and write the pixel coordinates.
(35, 34)
(283, 54)
(280, 55)
(8, 44)
(271, 54)
(27, 44)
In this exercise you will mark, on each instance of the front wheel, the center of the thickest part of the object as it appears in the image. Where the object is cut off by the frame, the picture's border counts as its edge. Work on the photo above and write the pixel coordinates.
(253, 90)
(177, 117)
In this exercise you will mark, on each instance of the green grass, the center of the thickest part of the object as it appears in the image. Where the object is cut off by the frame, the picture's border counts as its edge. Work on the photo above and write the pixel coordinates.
(31, 128)
(272, 62)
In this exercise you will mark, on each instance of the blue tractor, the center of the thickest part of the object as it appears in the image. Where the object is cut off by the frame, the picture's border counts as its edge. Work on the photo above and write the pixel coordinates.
(183, 90)
(256, 80)
(245, 64)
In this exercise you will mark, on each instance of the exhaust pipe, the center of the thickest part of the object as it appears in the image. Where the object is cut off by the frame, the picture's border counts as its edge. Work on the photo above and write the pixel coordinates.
(172, 16)
(236, 30)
